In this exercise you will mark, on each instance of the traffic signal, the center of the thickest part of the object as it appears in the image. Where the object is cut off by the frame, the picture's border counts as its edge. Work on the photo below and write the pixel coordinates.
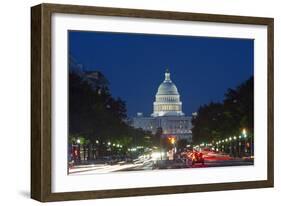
(172, 140)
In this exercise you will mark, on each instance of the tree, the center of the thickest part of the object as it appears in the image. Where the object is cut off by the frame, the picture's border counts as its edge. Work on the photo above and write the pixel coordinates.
(239, 106)
(95, 114)
(215, 121)
(207, 123)
(157, 137)
(181, 143)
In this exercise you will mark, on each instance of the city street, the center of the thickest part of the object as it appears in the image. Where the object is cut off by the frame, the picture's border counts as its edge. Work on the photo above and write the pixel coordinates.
(211, 160)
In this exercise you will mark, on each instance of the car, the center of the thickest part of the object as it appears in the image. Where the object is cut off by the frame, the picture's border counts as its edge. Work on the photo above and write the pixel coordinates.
(196, 157)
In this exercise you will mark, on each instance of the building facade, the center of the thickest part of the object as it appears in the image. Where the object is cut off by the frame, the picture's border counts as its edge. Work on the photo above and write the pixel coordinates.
(167, 113)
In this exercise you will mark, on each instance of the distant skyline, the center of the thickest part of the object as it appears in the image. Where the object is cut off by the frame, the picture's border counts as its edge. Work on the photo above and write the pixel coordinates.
(202, 68)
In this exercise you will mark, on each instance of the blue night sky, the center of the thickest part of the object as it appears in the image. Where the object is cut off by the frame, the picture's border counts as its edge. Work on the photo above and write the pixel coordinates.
(202, 68)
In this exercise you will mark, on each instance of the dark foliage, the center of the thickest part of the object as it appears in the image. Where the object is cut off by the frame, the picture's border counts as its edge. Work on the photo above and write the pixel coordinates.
(95, 114)
(216, 121)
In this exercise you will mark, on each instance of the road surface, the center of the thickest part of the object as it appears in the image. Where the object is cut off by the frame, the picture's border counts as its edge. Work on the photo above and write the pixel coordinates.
(211, 160)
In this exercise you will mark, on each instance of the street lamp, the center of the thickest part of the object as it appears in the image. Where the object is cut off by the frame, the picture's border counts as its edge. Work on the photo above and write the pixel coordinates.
(78, 141)
(244, 132)
(173, 142)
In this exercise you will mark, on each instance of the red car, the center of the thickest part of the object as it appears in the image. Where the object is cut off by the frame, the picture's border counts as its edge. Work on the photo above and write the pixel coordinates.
(196, 157)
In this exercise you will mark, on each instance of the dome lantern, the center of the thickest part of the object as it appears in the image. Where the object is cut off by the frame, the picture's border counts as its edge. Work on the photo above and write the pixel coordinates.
(167, 76)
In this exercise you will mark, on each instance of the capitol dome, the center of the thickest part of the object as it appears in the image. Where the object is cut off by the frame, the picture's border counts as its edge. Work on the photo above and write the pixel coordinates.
(167, 99)
(167, 87)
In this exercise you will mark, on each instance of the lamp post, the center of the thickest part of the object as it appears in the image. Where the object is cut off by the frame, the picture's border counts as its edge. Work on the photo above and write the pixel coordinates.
(78, 141)
(252, 145)
(244, 134)
(109, 148)
(173, 142)
(96, 152)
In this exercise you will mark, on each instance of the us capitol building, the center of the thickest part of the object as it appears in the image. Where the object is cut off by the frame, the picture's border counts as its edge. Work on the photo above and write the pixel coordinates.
(167, 113)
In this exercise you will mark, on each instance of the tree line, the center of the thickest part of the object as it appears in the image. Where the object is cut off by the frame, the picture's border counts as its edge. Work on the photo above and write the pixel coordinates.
(95, 115)
(218, 120)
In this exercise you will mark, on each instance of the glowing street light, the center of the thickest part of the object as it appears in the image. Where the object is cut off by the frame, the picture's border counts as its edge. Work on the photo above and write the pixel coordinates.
(109, 143)
(244, 132)
(78, 141)
(172, 140)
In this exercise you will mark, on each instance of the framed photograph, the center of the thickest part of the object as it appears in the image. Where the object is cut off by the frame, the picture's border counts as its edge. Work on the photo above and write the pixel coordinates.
(130, 102)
